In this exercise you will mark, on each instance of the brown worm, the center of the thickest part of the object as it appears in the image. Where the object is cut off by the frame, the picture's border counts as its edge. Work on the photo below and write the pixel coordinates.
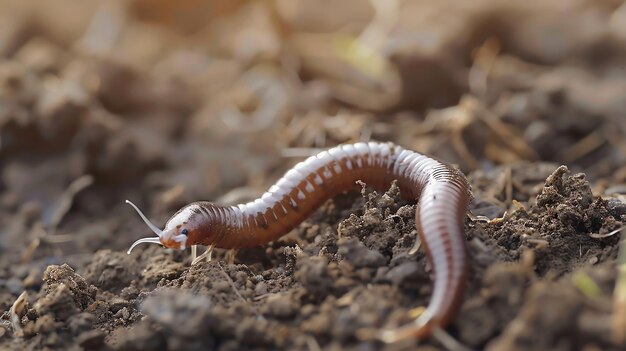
(442, 191)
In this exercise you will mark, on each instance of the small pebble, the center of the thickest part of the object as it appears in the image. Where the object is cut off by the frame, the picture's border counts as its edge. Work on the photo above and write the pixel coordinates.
(260, 289)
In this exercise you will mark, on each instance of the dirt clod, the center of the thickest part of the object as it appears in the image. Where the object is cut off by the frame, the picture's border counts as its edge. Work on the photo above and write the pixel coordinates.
(360, 256)
(62, 282)
(184, 316)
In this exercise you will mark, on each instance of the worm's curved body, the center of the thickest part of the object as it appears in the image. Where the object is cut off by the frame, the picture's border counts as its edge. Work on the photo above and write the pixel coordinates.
(442, 191)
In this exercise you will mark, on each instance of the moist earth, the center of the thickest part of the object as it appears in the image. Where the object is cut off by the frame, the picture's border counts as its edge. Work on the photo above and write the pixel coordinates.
(316, 288)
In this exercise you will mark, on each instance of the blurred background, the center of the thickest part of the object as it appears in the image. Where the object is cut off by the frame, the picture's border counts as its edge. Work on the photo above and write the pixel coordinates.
(214, 95)
(166, 102)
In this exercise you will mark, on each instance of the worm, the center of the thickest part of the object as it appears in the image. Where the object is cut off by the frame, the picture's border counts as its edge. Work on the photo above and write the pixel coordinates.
(442, 191)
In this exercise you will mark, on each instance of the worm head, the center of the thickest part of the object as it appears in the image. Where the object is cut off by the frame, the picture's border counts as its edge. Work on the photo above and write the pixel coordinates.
(176, 230)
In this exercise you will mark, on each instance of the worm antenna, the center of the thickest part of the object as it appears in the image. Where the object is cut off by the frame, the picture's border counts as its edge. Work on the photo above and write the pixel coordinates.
(153, 227)
(143, 240)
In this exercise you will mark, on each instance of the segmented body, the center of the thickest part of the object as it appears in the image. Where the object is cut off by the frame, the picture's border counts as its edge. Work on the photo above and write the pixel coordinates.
(442, 192)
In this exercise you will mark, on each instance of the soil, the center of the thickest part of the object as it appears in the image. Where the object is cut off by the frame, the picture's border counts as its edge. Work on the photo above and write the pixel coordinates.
(165, 103)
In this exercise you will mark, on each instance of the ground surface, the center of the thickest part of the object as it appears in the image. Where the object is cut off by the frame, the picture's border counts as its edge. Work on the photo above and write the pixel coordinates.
(166, 104)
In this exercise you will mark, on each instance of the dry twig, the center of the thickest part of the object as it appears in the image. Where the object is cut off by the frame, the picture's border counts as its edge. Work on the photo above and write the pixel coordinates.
(619, 297)
(16, 312)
